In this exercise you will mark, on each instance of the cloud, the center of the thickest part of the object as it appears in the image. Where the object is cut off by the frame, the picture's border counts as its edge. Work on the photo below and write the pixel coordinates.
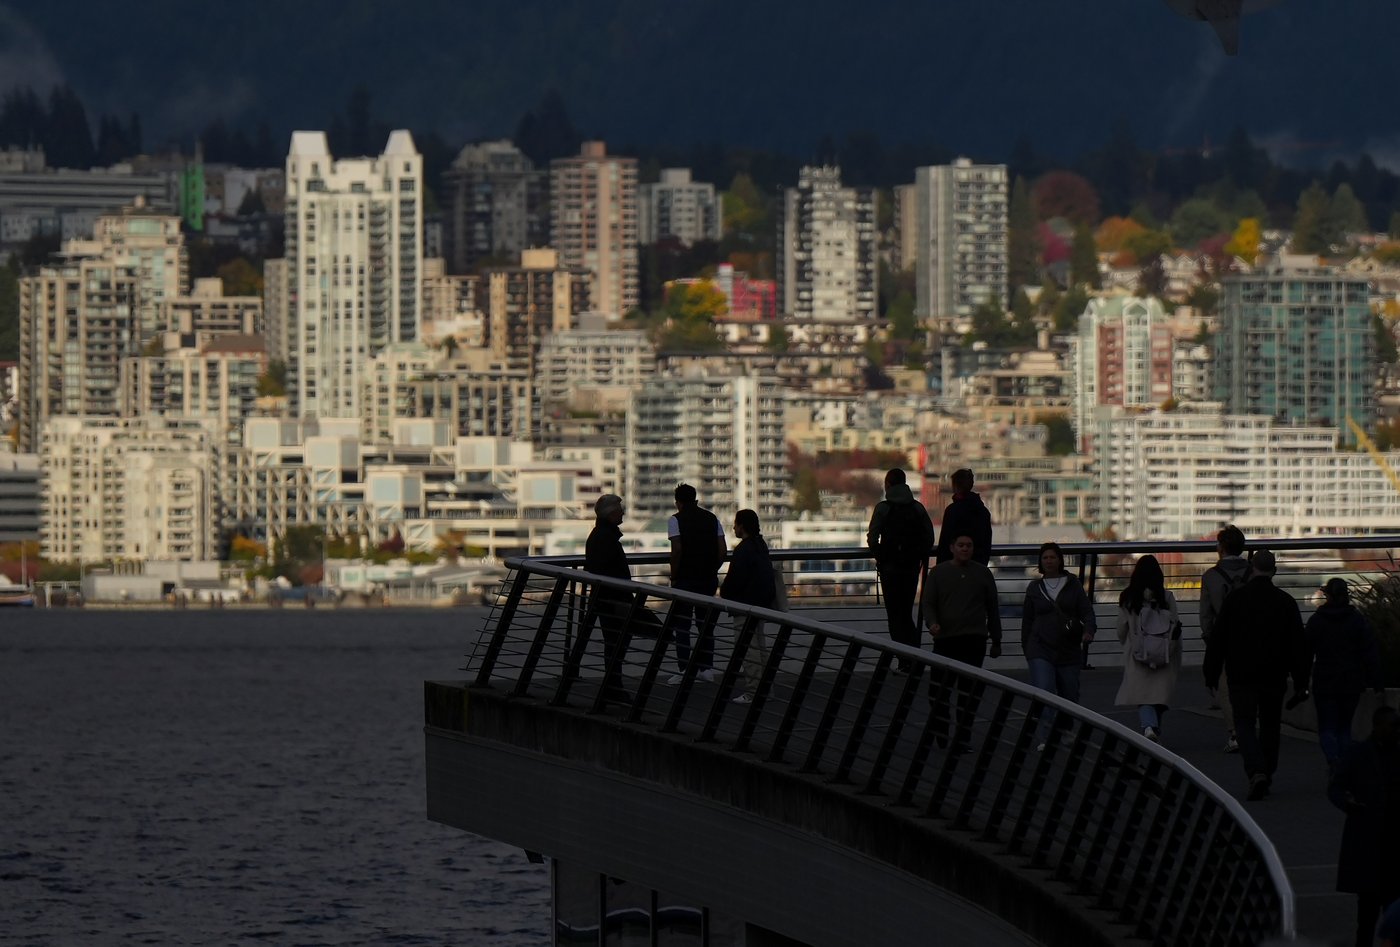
(25, 58)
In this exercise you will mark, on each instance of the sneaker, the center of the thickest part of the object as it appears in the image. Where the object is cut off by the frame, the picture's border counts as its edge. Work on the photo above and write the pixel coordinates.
(1258, 787)
(707, 675)
(1231, 744)
(1151, 734)
(675, 679)
(1040, 749)
(743, 698)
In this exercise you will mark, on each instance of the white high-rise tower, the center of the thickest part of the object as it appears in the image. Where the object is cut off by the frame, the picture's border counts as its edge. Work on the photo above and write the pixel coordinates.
(354, 267)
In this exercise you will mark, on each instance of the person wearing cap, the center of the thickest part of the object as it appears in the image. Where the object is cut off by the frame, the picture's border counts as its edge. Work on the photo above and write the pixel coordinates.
(603, 555)
(1258, 644)
(967, 515)
(1345, 659)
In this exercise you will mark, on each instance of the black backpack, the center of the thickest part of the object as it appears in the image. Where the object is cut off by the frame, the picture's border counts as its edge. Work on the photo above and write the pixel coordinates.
(904, 534)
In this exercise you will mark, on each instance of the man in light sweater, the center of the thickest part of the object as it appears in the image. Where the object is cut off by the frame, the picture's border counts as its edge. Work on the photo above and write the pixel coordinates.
(961, 610)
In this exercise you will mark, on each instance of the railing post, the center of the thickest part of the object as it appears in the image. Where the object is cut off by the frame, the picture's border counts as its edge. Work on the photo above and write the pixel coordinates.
(503, 623)
(799, 696)
(532, 657)
(833, 704)
(764, 687)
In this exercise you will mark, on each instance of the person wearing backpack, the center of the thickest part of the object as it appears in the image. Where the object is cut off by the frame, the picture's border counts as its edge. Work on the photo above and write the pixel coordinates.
(967, 515)
(900, 539)
(1150, 631)
(698, 550)
(1227, 575)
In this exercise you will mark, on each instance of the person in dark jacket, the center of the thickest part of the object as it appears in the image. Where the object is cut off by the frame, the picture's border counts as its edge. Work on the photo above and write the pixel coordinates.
(962, 612)
(1366, 786)
(1057, 620)
(1229, 573)
(900, 538)
(1345, 658)
(965, 516)
(603, 555)
(750, 580)
(697, 552)
(1258, 644)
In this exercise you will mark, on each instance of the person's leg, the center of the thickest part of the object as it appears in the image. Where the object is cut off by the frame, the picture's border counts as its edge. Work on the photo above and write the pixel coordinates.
(1042, 676)
(1368, 913)
(971, 650)
(1067, 681)
(1346, 713)
(1270, 722)
(680, 627)
(1246, 705)
(755, 657)
(1147, 717)
(1227, 712)
(704, 623)
(901, 583)
(1328, 736)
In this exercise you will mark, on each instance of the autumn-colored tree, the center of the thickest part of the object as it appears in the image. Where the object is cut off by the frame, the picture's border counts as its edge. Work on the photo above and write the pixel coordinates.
(1068, 195)
(1245, 242)
(1387, 253)
(1114, 232)
(273, 382)
(243, 549)
(701, 300)
(748, 211)
(806, 493)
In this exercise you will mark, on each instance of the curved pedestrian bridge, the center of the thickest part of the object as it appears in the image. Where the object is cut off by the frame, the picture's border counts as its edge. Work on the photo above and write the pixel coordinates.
(840, 805)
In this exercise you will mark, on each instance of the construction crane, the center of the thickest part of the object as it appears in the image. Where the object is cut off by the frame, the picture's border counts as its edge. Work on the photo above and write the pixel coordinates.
(1370, 447)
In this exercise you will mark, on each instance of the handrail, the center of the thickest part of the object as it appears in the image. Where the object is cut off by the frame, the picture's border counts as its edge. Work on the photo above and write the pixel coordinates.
(1045, 779)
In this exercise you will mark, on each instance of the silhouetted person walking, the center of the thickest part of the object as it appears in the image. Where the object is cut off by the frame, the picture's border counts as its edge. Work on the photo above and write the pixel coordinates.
(1258, 644)
(900, 538)
(1227, 575)
(1345, 659)
(697, 550)
(962, 613)
(750, 580)
(1150, 631)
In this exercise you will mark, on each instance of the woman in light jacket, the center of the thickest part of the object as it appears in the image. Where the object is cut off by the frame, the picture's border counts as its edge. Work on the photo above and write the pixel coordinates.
(1149, 688)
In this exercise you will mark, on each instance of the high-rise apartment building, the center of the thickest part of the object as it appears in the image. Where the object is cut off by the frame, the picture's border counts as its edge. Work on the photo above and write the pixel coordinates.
(903, 249)
(677, 207)
(452, 307)
(412, 381)
(277, 317)
(1296, 343)
(497, 204)
(78, 319)
(592, 367)
(525, 302)
(215, 379)
(722, 435)
(1122, 357)
(354, 230)
(129, 488)
(827, 268)
(960, 245)
(593, 223)
(207, 311)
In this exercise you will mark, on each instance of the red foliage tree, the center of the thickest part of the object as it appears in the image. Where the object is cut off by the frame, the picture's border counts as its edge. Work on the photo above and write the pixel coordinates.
(1068, 195)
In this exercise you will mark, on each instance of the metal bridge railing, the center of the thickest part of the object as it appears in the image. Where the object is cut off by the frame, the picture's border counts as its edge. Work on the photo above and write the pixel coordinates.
(1136, 832)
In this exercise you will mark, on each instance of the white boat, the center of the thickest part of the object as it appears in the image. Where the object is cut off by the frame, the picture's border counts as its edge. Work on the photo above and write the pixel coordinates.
(15, 596)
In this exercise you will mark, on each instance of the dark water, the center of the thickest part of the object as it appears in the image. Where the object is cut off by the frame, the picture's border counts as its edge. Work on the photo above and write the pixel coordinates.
(238, 777)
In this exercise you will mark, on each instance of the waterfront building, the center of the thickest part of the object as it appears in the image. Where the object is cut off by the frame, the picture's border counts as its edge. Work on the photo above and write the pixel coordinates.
(722, 435)
(354, 266)
(960, 248)
(129, 489)
(1122, 356)
(525, 302)
(21, 495)
(1296, 343)
(678, 208)
(497, 204)
(1183, 474)
(593, 223)
(591, 367)
(492, 494)
(207, 311)
(827, 267)
(77, 320)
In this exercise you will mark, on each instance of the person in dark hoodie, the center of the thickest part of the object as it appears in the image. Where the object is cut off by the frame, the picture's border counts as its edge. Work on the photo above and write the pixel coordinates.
(750, 581)
(1345, 658)
(900, 538)
(1228, 574)
(1258, 644)
(965, 516)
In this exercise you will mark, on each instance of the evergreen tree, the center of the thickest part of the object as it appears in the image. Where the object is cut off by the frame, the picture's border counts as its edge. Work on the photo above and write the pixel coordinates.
(9, 312)
(1084, 258)
(1310, 225)
(67, 135)
(1022, 237)
(1196, 220)
(546, 132)
(1345, 214)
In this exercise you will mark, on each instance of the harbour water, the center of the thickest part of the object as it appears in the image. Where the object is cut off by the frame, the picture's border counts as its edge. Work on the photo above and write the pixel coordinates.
(231, 777)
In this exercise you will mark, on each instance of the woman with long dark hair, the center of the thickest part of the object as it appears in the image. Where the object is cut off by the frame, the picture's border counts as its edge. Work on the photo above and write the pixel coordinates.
(1149, 628)
(1057, 620)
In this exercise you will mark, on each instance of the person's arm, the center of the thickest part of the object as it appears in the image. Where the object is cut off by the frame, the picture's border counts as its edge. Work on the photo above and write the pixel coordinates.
(1370, 651)
(1086, 611)
(1215, 650)
(1027, 615)
(723, 550)
(982, 543)
(1302, 659)
(872, 535)
(1125, 623)
(930, 538)
(675, 555)
(932, 617)
(1208, 613)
